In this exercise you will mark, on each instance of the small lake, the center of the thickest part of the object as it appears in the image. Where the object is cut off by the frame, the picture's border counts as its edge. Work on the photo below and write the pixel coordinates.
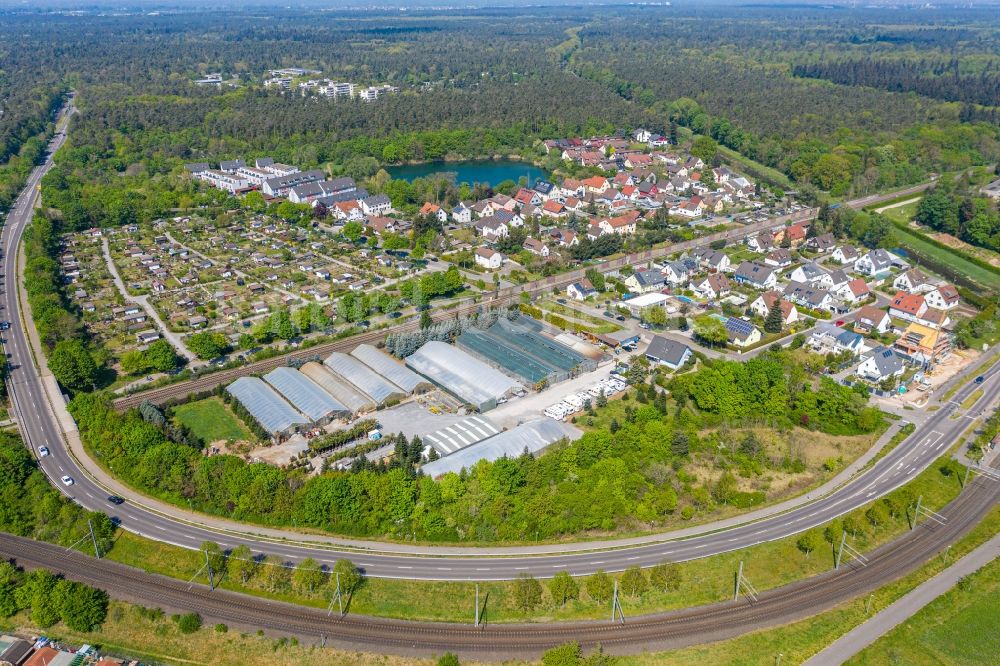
(493, 172)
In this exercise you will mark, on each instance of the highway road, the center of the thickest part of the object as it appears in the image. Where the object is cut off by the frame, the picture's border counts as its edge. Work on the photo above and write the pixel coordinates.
(662, 631)
(40, 427)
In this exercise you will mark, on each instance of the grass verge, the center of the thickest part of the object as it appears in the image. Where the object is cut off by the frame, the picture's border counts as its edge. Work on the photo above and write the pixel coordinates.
(956, 628)
(137, 633)
(703, 581)
(798, 641)
(971, 400)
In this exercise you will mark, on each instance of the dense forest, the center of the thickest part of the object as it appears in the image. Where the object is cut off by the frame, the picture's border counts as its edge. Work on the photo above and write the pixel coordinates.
(938, 80)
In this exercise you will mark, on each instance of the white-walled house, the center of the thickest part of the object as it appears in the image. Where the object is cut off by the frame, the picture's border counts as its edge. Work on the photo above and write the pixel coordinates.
(488, 258)
(943, 297)
(881, 364)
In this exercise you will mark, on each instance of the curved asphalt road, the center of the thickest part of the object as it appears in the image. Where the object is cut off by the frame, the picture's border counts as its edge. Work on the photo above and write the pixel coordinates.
(40, 427)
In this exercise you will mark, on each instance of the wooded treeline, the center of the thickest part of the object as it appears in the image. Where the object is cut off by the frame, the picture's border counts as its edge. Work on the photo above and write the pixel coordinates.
(939, 80)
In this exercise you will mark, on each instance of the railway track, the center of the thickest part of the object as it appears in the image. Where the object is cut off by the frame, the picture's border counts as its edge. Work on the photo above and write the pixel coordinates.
(661, 631)
(507, 295)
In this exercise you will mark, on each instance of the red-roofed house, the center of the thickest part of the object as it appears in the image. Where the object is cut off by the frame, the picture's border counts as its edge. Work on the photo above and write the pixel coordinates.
(429, 209)
(763, 304)
(854, 290)
(596, 184)
(910, 307)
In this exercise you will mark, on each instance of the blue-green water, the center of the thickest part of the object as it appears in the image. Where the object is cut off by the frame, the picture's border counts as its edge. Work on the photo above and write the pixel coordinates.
(493, 172)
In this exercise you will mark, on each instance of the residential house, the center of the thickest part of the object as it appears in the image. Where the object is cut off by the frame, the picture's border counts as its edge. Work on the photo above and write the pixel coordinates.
(554, 209)
(713, 287)
(545, 189)
(762, 307)
(488, 258)
(645, 281)
(572, 187)
(668, 352)
(756, 275)
(811, 273)
(880, 365)
(913, 281)
(381, 225)
(845, 254)
(677, 272)
(779, 257)
(823, 243)
(596, 184)
(461, 214)
(910, 307)
(713, 260)
(623, 225)
(762, 242)
(796, 234)
(492, 228)
(852, 291)
(433, 210)
(876, 263)
(922, 344)
(871, 320)
(565, 237)
(809, 296)
(830, 339)
(581, 290)
(943, 297)
(536, 247)
(526, 197)
(687, 209)
(741, 332)
(347, 210)
(378, 204)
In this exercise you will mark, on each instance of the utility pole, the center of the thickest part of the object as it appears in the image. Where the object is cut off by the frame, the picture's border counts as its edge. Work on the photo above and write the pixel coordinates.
(93, 537)
(616, 608)
(477, 604)
(338, 597)
(916, 512)
(857, 555)
(211, 575)
(739, 581)
(868, 604)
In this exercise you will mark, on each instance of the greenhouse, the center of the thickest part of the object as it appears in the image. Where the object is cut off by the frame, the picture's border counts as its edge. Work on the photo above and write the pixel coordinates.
(369, 382)
(461, 374)
(532, 436)
(341, 390)
(518, 348)
(305, 395)
(390, 368)
(265, 405)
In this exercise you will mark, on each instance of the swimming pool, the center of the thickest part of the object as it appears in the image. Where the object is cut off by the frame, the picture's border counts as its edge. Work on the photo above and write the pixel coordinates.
(684, 299)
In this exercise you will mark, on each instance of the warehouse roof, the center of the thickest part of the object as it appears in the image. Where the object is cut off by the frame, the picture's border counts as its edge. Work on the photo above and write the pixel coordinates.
(457, 436)
(458, 372)
(264, 404)
(369, 382)
(533, 436)
(304, 394)
(340, 389)
(389, 368)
